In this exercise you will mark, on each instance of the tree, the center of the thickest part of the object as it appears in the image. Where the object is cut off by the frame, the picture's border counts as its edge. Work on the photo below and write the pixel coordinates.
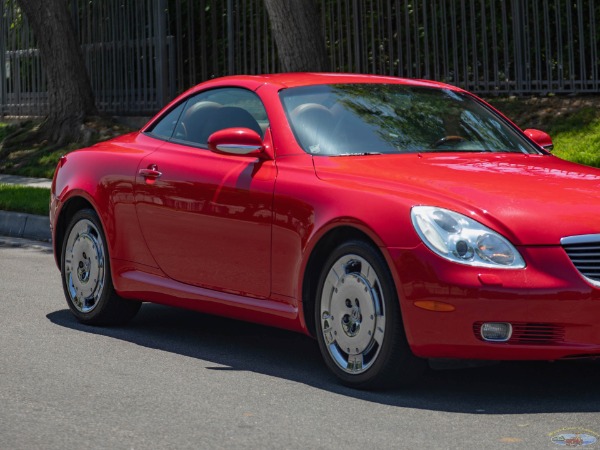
(70, 94)
(298, 34)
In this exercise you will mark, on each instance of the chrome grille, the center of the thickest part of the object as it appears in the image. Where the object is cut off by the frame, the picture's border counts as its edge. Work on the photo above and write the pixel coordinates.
(537, 333)
(584, 252)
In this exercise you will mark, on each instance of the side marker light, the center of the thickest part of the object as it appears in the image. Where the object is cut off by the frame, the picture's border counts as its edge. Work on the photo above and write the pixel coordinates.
(432, 305)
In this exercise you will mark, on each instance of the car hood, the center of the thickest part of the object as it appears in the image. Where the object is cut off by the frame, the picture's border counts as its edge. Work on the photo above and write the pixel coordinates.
(531, 199)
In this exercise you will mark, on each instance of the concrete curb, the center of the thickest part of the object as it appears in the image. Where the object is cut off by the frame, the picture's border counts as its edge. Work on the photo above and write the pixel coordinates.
(28, 226)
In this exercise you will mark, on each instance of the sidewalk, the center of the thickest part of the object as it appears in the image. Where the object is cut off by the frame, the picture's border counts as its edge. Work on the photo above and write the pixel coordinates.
(25, 181)
(20, 225)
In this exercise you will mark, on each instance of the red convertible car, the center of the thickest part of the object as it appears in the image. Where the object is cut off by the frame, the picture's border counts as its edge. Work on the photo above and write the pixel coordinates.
(394, 220)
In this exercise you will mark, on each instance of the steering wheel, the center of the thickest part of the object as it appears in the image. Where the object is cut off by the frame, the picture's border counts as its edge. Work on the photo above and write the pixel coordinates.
(451, 140)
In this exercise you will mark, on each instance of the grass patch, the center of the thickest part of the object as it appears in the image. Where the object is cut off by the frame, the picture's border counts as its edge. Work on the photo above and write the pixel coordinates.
(572, 122)
(5, 129)
(24, 199)
(580, 146)
(37, 164)
(39, 159)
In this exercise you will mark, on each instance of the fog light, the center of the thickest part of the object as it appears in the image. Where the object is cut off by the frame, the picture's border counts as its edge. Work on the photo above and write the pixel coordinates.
(496, 331)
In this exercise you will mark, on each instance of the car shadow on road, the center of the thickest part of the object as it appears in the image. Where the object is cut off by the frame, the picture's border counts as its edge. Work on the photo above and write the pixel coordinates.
(505, 388)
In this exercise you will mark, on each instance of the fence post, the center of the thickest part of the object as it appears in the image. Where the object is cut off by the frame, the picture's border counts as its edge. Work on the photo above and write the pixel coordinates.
(518, 34)
(3, 92)
(162, 62)
(230, 44)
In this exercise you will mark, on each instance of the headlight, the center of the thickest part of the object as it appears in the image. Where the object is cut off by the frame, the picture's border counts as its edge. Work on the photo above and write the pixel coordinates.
(463, 240)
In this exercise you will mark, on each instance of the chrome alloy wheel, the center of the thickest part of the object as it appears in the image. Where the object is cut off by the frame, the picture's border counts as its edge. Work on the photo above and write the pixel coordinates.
(84, 266)
(352, 314)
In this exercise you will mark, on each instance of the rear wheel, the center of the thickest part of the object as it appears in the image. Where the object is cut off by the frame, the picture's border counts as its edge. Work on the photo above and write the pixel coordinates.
(85, 271)
(359, 327)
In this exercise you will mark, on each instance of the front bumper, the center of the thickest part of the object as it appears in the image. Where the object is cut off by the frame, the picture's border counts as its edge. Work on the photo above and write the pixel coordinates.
(555, 312)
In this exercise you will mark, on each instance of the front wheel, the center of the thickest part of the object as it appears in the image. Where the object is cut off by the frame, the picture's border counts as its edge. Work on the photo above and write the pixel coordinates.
(359, 327)
(85, 271)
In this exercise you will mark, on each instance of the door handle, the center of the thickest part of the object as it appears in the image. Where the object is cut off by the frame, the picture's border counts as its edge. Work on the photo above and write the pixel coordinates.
(151, 172)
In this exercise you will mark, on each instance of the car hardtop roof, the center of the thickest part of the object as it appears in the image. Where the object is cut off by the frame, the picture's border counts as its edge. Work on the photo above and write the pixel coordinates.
(298, 79)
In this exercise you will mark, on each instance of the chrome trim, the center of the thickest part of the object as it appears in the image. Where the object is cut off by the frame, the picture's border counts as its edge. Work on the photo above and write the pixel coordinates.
(84, 260)
(572, 244)
(581, 239)
(353, 318)
(238, 149)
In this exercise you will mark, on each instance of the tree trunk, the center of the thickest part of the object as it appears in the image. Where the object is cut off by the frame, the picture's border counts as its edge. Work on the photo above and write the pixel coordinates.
(70, 94)
(297, 29)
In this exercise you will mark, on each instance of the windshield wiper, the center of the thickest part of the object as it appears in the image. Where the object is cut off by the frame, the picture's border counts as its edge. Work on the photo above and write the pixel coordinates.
(359, 154)
(455, 150)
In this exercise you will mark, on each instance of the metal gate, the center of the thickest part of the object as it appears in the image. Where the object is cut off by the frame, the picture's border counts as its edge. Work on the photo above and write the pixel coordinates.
(141, 53)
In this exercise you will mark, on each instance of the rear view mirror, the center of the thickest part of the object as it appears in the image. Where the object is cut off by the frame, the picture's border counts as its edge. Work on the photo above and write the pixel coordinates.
(541, 138)
(236, 141)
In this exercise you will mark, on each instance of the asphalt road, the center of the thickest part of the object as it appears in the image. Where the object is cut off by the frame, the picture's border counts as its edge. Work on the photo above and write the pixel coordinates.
(177, 379)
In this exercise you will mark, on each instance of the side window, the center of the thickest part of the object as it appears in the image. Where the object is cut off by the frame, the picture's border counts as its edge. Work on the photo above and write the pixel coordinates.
(165, 127)
(217, 109)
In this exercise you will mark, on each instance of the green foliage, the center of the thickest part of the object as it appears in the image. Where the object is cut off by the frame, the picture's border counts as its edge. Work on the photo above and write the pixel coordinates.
(579, 144)
(5, 130)
(30, 200)
(573, 123)
(14, 20)
(32, 159)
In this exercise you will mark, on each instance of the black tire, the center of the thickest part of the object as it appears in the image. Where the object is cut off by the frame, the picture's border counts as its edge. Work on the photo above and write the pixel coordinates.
(86, 277)
(359, 326)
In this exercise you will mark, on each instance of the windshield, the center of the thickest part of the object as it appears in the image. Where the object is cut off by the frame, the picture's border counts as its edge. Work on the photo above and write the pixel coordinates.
(358, 119)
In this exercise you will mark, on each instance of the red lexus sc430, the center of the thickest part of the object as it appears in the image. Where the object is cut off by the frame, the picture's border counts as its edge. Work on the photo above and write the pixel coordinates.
(394, 220)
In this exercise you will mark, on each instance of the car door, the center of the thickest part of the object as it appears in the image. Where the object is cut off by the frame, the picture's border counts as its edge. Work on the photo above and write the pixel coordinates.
(206, 217)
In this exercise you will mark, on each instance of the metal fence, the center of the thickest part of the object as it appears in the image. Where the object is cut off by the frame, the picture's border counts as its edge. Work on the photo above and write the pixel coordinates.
(141, 53)
(487, 46)
(128, 51)
(126, 46)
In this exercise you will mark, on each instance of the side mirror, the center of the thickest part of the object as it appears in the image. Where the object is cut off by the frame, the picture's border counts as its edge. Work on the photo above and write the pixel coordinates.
(236, 141)
(540, 138)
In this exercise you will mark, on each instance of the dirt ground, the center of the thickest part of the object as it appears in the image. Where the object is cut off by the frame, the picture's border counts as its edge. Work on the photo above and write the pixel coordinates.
(541, 112)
